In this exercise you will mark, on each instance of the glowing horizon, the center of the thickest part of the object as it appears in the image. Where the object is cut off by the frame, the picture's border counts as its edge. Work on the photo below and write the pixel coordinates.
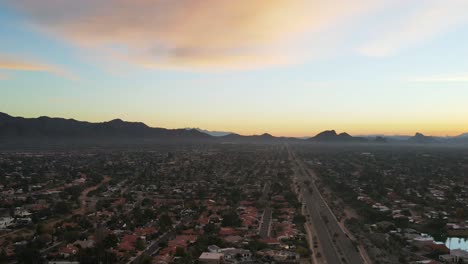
(288, 68)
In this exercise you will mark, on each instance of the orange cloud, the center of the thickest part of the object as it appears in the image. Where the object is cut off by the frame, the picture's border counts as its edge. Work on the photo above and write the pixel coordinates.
(195, 33)
(19, 64)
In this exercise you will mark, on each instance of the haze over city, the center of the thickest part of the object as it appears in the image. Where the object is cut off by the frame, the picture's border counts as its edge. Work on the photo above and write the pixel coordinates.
(289, 68)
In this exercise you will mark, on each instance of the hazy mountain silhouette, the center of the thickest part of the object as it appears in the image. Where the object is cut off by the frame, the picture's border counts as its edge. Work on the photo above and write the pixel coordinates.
(380, 139)
(212, 133)
(265, 137)
(421, 138)
(332, 136)
(19, 129)
(46, 127)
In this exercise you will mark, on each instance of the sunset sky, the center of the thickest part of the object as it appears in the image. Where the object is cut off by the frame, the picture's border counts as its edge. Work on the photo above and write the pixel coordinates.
(287, 67)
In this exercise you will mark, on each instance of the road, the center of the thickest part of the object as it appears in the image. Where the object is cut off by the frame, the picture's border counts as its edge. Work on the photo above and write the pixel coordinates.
(264, 230)
(84, 196)
(336, 246)
(153, 247)
(265, 224)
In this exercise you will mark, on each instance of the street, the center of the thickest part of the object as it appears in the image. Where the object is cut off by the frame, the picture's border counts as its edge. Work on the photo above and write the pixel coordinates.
(337, 247)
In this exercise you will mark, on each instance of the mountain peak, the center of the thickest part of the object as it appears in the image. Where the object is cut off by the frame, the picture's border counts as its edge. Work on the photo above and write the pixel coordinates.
(117, 120)
(332, 136)
(211, 133)
(421, 138)
(326, 133)
(266, 135)
(344, 134)
(4, 116)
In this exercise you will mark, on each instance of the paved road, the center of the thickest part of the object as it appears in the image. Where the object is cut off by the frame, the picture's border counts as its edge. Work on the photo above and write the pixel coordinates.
(153, 247)
(264, 230)
(337, 247)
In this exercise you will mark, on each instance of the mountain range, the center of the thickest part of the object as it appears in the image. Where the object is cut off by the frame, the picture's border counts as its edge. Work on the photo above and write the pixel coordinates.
(212, 133)
(47, 128)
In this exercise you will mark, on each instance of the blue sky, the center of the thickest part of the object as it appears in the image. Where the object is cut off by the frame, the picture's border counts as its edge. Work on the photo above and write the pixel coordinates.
(246, 66)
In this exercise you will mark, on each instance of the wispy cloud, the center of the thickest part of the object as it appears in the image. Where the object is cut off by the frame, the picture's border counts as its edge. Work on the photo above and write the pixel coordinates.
(443, 78)
(425, 21)
(8, 62)
(195, 33)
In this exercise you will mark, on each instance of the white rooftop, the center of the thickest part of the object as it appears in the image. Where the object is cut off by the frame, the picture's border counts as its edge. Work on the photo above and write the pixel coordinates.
(210, 255)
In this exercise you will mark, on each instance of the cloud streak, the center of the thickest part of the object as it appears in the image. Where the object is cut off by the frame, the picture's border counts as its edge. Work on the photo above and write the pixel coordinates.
(195, 33)
(19, 64)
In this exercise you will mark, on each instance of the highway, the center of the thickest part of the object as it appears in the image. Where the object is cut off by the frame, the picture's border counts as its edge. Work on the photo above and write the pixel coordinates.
(264, 230)
(336, 246)
(265, 224)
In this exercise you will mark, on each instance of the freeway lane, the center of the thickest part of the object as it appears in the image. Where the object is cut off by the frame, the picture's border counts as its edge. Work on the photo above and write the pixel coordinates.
(264, 230)
(337, 247)
(328, 250)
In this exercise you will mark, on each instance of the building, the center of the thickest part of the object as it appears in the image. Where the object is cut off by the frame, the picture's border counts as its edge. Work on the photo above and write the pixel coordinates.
(456, 256)
(6, 222)
(211, 258)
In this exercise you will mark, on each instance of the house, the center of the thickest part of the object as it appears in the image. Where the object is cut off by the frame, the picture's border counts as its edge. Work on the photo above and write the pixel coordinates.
(236, 255)
(24, 221)
(211, 258)
(6, 222)
(68, 250)
(89, 243)
(127, 242)
(281, 255)
(21, 212)
(456, 256)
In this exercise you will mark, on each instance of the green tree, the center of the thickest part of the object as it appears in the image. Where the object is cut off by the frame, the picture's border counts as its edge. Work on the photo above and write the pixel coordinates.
(180, 252)
(71, 236)
(62, 208)
(140, 244)
(231, 219)
(165, 221)
(110, 241)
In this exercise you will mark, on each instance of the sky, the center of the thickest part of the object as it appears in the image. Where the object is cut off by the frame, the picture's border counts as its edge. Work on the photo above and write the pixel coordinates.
(286, 67)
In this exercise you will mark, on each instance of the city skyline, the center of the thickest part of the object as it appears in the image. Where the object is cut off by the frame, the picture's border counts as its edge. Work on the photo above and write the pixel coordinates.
(289, 68)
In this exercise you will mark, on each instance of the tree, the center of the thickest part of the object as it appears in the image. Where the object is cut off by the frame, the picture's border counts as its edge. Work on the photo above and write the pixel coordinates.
(62, 208)
(231, 219)
(3, 256)
(42, 228)
(29, 255)
(303, 252)
(140, 244)
(299, 220)
(71, 236)
(145, 259)
(165, 221)
(460, 212)
(210, 229)
(180, 252)
(256, 245)
(110, 241)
